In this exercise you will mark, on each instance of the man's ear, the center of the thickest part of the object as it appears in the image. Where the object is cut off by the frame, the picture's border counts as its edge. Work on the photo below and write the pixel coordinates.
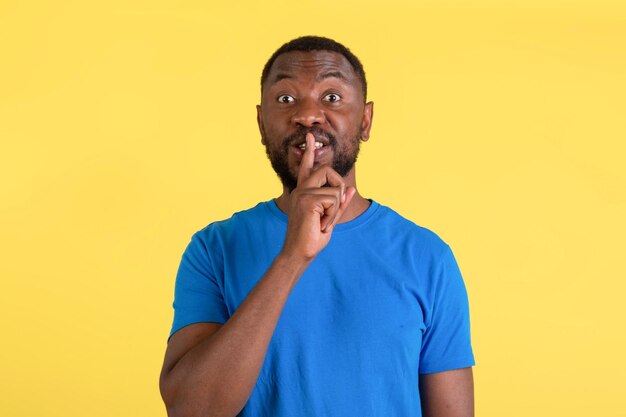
(259, 121)
(366, 124)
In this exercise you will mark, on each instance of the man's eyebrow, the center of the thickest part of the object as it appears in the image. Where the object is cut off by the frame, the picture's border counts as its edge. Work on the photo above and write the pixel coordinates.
(281, 76)
(332, 74)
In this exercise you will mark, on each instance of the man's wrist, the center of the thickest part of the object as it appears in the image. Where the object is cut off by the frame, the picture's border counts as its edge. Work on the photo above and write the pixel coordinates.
(292, 263)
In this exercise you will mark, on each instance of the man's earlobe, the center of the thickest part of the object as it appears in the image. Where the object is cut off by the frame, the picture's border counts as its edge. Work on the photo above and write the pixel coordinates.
(259, 121)
(366, 125)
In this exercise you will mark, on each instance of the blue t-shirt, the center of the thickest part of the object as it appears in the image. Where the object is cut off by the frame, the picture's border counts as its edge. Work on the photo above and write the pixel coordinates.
(383, 302)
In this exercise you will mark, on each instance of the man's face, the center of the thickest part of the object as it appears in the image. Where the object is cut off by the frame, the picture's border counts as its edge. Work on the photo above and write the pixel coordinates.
(316, 92)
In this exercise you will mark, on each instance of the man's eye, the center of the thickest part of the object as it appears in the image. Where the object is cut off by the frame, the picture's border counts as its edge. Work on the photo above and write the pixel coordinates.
(285, 99)
(332, 97)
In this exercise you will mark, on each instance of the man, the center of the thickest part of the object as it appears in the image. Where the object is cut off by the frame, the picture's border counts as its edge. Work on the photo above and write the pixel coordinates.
(320, 302)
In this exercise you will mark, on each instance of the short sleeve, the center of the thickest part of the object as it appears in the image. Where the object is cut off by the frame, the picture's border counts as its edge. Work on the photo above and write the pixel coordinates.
(446, 340)
(197, 295)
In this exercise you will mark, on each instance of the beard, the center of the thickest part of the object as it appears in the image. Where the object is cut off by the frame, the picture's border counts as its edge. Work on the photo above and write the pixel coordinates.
(342, 163)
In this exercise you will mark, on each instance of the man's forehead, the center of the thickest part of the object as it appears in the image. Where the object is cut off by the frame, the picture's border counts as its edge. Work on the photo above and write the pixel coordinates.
(322, 63)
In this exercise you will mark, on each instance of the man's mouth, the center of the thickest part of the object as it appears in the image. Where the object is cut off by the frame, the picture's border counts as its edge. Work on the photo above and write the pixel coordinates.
(318, 145)
(297, 141)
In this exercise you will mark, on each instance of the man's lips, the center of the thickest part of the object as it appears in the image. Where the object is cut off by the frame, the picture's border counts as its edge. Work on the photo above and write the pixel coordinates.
(319, 151)
(295, 144)
(319, 142)
(317, 145)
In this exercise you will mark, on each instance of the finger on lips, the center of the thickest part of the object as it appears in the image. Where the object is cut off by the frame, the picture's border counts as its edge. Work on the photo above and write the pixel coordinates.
(308, 158)
(332, 198)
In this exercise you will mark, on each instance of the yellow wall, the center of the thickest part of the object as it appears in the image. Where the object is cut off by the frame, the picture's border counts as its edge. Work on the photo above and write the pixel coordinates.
(125, 126)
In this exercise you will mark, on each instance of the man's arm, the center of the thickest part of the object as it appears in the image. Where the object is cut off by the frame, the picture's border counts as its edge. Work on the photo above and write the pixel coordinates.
(211, 370)
(448, 394)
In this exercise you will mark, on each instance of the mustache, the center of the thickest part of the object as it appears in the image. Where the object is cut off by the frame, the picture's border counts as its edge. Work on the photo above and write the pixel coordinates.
(300, 136)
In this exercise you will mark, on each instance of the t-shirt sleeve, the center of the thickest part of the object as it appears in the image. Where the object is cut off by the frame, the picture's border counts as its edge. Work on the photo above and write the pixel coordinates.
(446, 340)
(197, 295)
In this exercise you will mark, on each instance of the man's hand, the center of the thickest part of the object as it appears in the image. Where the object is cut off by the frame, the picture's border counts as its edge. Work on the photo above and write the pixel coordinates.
(314, 209)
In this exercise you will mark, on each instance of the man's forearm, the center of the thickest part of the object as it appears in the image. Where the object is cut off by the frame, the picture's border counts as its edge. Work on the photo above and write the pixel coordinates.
(448, 394)
(216, 377)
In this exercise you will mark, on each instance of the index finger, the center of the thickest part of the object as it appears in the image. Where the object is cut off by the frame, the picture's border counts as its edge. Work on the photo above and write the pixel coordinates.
(306, 163)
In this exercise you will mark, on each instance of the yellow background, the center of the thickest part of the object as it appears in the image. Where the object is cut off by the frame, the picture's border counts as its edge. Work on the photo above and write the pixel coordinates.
(125, 126)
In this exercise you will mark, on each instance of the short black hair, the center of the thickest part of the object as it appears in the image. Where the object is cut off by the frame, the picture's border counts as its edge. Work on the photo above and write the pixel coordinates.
(317, 43)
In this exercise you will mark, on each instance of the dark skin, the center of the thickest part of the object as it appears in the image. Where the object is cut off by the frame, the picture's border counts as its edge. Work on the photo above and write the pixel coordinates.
(211, 369)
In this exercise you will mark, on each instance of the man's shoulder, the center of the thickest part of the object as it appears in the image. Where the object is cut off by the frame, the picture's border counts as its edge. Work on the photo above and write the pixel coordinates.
(255, 215)
(255, 212)
(404, 229)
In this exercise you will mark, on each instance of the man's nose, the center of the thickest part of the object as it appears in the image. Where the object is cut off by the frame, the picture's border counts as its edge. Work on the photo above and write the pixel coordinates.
(308, 113)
